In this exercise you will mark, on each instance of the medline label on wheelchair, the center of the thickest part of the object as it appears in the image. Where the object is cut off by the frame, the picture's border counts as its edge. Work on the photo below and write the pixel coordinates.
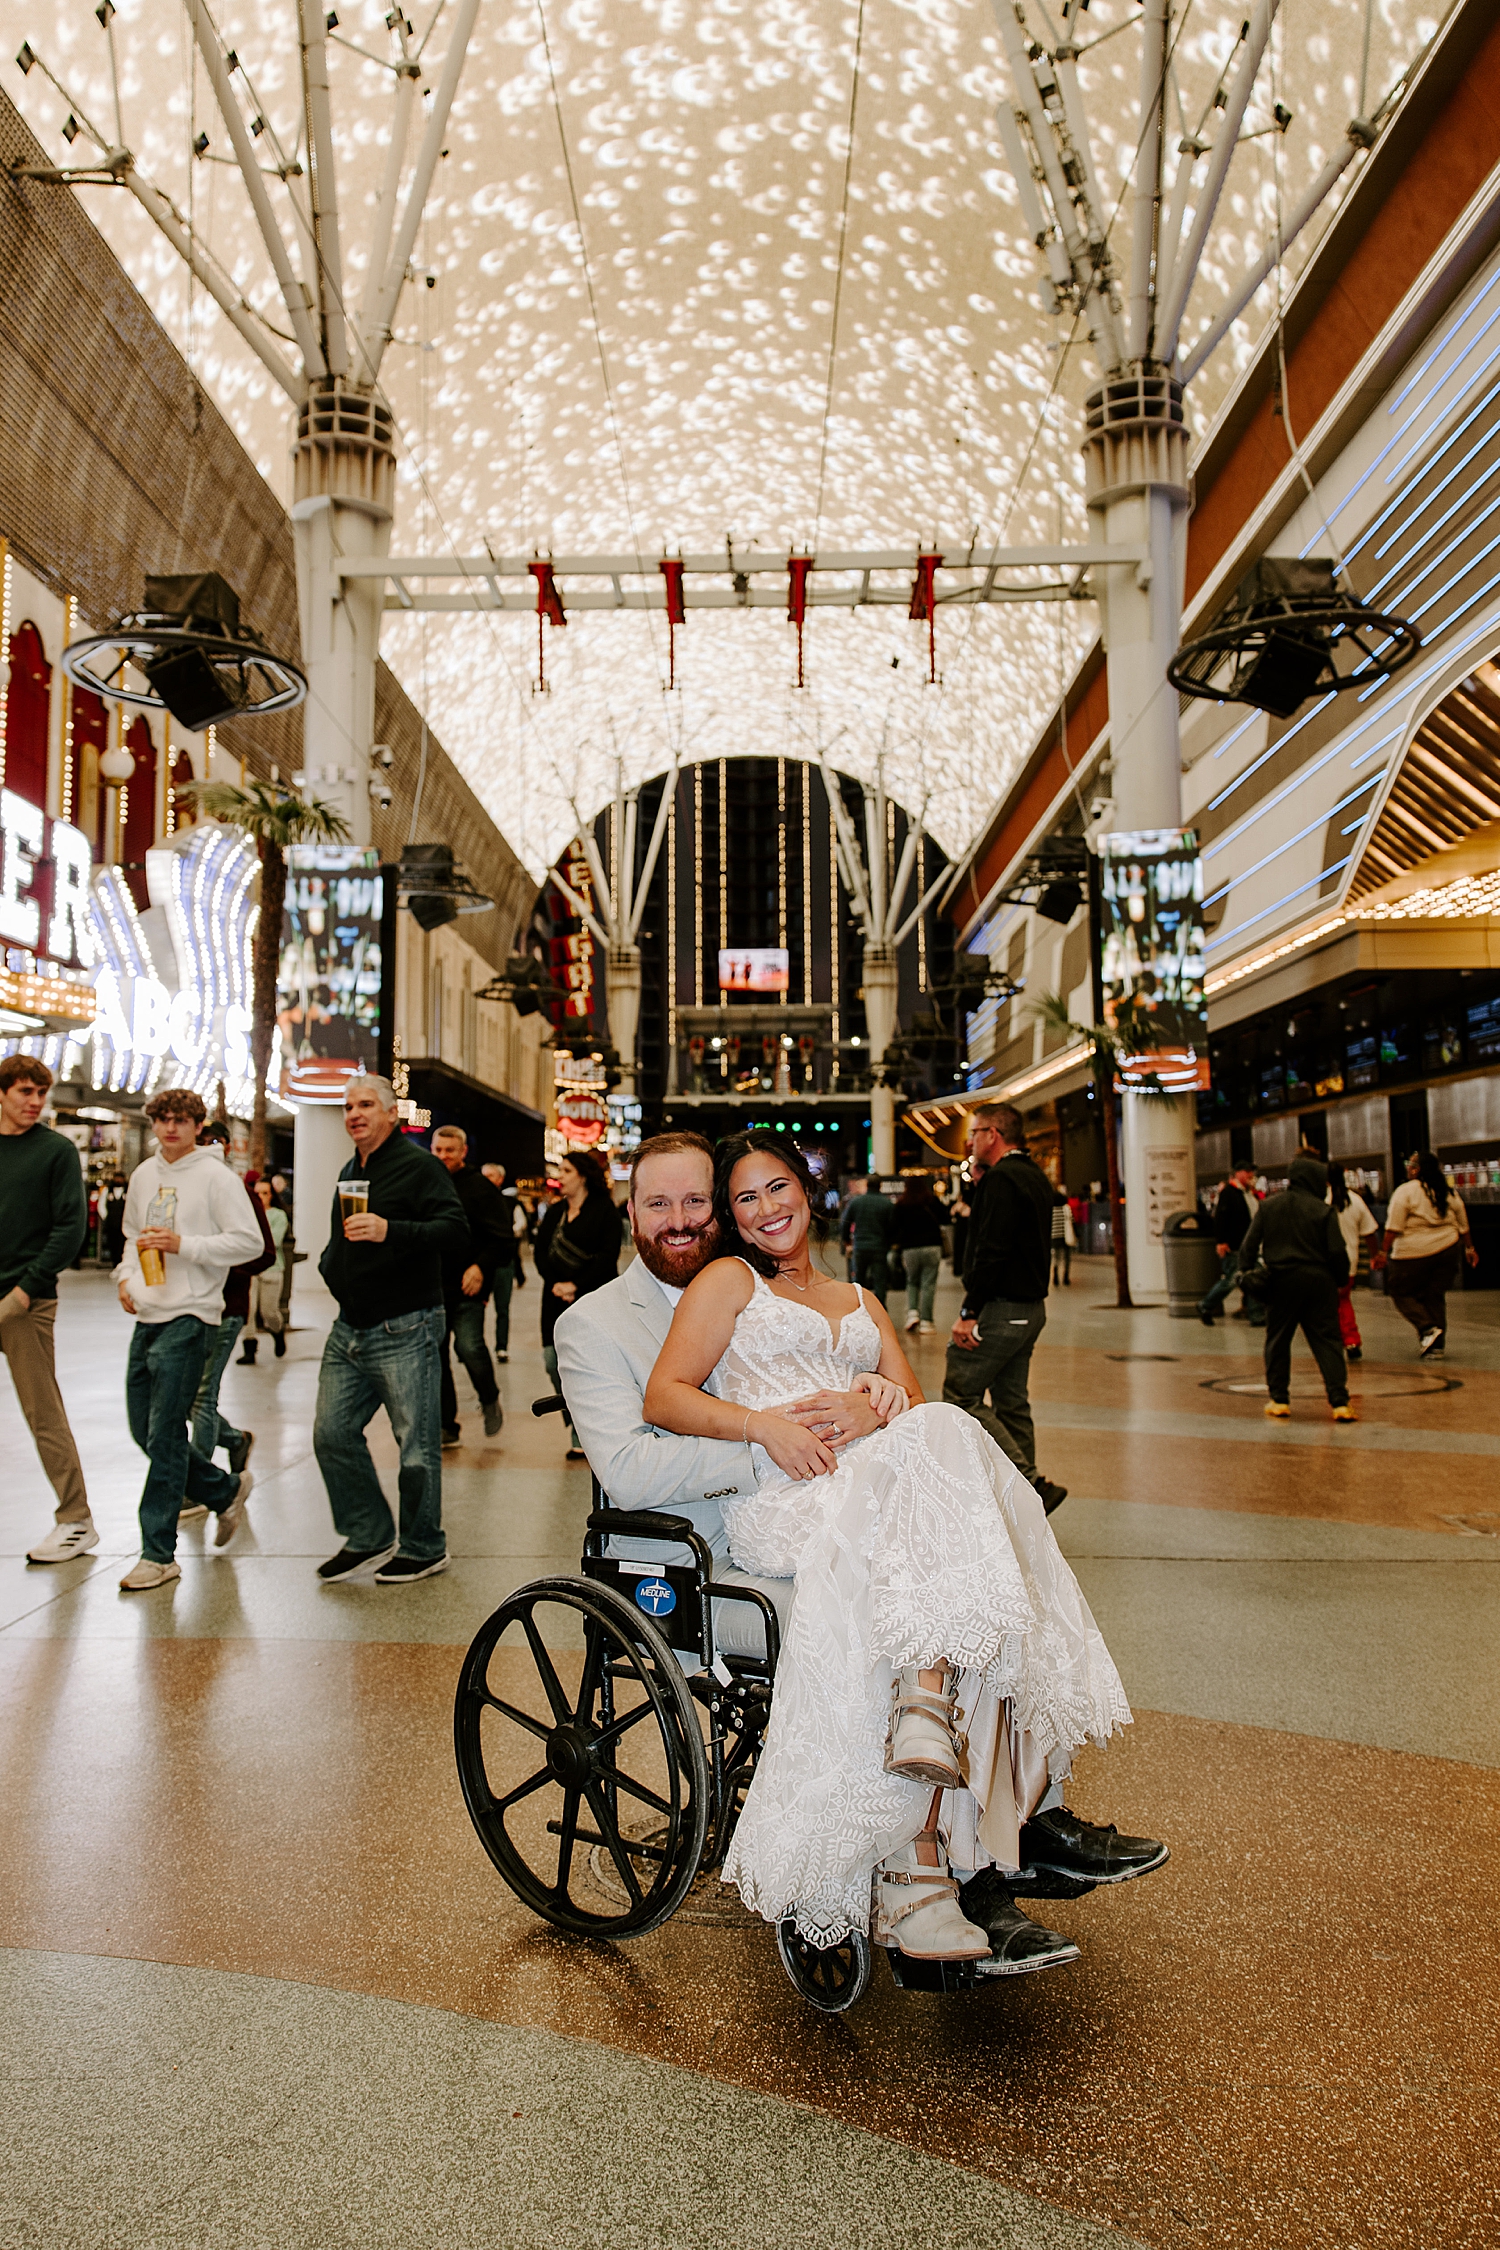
(655, 1597)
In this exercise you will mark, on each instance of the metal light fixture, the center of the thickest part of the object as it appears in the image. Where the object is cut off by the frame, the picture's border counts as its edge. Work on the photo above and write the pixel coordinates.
(201, 664)
(1290, 633)
(428, 882)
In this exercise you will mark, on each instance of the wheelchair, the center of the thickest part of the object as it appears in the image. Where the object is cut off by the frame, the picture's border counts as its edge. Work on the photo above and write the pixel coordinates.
(602, 1805)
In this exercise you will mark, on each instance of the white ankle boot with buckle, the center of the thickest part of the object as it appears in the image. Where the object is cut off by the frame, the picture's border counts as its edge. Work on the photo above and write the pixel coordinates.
(920, 1744)
(916, 1911)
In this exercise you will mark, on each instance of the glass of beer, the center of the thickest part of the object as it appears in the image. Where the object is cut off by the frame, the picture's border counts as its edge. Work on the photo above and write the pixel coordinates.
(354, 1197)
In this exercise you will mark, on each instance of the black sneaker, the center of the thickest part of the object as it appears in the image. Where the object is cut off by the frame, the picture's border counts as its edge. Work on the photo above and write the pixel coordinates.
(238, 1450)
(1051, 1495)
(1355, 1351)
(504, 1358)
(350, 1559)
(404, 1570)
(1207, 1318)
(494, 1417)
(1059, 1841)
(452, 1436)
(1017, 1944)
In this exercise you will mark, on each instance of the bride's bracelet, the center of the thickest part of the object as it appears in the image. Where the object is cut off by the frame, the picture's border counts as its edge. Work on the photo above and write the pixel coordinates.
(745, 1427)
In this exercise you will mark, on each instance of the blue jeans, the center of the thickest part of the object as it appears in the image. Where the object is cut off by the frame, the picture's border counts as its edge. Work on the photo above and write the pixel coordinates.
(921, 1278)
(210, 1428)
(1229, 1273)
(465, 1332)
(161, 1383)
(504, 1282)
(394, 1365)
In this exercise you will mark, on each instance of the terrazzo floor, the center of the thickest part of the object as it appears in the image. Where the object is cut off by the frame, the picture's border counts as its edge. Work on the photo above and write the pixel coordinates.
(260, 1984)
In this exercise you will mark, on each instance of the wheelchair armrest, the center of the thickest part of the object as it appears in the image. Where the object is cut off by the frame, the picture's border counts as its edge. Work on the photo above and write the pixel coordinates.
(646, 1523)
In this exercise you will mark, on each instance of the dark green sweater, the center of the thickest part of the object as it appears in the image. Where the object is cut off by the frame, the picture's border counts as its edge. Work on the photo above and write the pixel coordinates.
(44, 1213)
(409, 1189)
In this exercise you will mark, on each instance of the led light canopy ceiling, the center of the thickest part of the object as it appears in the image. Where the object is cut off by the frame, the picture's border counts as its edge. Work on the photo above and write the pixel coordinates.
(662, 301)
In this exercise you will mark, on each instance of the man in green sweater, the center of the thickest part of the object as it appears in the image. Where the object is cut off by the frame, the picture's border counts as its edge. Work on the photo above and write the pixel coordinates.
(43, 1219)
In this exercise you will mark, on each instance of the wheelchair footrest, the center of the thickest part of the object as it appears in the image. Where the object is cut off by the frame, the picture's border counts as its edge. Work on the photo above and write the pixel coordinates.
(932, 1976)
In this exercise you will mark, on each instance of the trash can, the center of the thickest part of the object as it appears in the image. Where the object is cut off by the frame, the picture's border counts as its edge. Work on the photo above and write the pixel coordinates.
(1192, 1263)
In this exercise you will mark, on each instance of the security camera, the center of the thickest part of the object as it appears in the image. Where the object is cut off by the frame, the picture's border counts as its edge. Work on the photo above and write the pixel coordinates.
(383, 755)
(380, 794)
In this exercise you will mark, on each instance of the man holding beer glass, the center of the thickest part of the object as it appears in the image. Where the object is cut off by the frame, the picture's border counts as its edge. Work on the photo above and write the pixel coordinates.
(187, 1221)
(396, 1218)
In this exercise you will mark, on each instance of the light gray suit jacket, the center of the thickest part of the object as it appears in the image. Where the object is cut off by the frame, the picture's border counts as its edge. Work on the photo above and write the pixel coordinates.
(606, 1347)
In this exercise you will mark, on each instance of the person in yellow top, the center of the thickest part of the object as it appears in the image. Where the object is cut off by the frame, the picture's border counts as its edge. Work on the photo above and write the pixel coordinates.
(1426, 1228)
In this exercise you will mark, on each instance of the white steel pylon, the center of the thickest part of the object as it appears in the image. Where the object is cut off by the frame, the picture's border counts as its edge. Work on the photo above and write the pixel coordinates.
(344, 466)
(1131, 304)
(877, 892)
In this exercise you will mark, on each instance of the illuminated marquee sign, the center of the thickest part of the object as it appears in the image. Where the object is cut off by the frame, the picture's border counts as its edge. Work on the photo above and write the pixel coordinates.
(44, 884)
(173, 985)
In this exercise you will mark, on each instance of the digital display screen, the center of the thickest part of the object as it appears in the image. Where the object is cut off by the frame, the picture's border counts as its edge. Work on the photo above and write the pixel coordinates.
(1151, 884)
(328, 977)
(754, 968)
(1484, 1031)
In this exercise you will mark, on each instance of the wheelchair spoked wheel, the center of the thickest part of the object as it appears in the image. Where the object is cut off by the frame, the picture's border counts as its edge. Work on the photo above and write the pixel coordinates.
(612, 1773)
(830, 1978)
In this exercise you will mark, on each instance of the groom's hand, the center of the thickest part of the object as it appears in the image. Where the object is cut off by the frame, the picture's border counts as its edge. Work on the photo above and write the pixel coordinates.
(836, 1416)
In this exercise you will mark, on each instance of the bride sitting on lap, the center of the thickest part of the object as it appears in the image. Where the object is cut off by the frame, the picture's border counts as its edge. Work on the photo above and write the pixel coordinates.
(940, 1665)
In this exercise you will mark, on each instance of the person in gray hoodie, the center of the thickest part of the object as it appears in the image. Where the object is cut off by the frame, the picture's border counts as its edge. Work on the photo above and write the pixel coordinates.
(187, 1221)
(1297, 1236)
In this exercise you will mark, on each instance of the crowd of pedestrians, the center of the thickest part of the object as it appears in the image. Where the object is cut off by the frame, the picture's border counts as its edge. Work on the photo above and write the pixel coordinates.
(422, 1243)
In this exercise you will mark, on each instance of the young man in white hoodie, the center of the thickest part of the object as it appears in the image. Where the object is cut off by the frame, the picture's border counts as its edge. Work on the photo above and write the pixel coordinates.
(187, 1221)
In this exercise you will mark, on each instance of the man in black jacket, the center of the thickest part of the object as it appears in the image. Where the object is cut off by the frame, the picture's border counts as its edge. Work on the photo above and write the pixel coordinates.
(1006, 1258)
(384, 1264)
(1298, 1235)
(468, 1278)
(1231, 1223)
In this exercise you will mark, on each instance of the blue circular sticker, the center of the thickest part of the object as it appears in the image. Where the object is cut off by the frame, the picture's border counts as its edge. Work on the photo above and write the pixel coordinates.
(655, 1597)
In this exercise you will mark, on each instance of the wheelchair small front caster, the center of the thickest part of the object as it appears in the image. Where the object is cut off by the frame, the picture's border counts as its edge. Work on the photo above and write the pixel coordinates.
(830, 1978)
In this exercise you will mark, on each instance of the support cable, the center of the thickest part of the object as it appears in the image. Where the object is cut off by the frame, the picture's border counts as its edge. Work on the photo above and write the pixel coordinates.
(838, 279)
(588, 283)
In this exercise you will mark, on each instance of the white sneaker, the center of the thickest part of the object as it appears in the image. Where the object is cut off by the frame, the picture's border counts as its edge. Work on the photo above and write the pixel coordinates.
(1430, 1342)
(231, 1518)
(191, 1511)
(929, 1328)
(64, 1541)
(147, 1574)
(912, 1321)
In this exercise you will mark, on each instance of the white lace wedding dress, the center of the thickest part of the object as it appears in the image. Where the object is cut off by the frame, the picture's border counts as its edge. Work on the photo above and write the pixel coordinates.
(924, 1544)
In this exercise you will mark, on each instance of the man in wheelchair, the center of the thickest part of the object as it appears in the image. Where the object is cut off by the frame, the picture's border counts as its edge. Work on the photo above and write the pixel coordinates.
(607, 1345)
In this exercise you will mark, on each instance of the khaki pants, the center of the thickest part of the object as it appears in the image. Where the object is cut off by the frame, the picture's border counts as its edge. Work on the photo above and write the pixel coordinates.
(26, 1340)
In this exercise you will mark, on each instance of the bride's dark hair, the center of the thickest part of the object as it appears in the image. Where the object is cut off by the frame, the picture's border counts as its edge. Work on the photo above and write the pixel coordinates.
(787, 1154)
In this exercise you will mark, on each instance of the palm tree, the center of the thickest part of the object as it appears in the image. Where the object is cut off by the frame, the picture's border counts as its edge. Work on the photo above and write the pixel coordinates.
(273, 817)
(1106, 1045)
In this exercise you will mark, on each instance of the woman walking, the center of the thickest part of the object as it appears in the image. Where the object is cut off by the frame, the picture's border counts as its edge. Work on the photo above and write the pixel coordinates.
(917, 1232)
(1356, 1224)
(577, 1250)
(1426, 1229)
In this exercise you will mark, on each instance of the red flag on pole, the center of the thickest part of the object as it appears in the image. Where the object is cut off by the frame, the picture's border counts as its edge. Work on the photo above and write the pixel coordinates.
(671, 570)
(924, 606)
(549, 606)
(797, 569)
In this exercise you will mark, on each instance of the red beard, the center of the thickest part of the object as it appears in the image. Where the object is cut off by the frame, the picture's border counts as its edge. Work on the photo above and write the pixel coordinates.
(678, 1267)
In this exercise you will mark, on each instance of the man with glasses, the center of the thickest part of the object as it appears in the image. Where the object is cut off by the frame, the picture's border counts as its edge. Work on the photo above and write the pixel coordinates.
(1005, 1272)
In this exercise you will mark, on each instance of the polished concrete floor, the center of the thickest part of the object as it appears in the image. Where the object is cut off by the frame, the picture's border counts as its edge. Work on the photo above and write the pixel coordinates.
(260, 1985)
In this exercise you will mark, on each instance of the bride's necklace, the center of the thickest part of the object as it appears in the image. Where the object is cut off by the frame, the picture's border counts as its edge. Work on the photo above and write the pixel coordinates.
(813, 1277)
